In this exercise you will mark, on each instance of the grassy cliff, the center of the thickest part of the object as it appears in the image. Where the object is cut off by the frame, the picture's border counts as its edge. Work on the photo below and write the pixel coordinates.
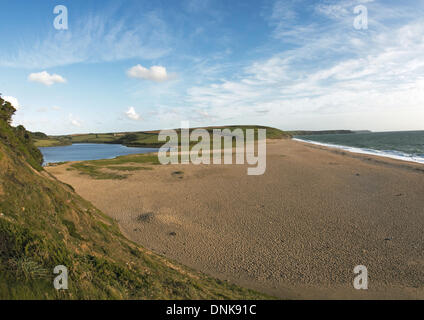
(44, 223)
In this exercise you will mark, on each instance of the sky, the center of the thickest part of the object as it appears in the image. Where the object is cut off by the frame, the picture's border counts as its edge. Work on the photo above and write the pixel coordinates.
(110, 66)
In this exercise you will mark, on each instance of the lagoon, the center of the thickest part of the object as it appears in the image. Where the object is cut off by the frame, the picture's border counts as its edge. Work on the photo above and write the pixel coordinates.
(89, 151)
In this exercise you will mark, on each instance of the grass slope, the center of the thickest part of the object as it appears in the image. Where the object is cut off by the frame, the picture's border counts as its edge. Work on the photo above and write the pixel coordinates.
(43, 223)
(49, 142)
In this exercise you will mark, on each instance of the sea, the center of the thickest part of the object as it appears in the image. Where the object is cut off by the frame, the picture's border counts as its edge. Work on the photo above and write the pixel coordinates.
(401, 145)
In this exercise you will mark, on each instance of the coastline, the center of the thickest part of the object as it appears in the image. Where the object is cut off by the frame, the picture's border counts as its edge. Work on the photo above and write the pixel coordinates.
(295, 232)
(386, 154)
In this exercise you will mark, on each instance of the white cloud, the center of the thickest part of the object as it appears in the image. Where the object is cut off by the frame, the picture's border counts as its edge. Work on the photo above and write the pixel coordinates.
(56, 108)
(45, 78)
(155, 73)
(73, 121)
(14, 101)
(132, 114)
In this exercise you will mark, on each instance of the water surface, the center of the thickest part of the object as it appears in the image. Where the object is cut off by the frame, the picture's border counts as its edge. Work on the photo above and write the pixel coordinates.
(402, 145)
(89, 151)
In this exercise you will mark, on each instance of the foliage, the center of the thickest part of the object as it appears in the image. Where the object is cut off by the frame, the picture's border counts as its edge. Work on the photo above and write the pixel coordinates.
(18, 139)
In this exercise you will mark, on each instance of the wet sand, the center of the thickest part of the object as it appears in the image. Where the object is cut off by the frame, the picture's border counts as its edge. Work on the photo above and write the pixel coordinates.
(297, 231)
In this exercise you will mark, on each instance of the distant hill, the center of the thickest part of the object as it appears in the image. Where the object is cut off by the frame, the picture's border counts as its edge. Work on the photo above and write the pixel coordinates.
(305, 132)
(362, 131)
(141, 138)
(44, 223)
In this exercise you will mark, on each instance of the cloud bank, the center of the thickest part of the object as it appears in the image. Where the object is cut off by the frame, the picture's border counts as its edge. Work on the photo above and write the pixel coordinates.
(331, 76)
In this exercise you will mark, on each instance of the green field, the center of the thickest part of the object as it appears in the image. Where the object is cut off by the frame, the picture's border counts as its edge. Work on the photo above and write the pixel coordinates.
(51, 143)
(140, 139)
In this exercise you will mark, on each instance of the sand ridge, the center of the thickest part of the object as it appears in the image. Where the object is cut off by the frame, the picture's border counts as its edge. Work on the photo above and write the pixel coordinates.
(295, 232)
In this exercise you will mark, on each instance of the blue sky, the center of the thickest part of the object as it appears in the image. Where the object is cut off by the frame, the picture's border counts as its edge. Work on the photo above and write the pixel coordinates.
(140, 65)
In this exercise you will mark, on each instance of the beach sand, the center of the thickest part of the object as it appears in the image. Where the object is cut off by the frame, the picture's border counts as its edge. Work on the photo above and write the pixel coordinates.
(296, 232)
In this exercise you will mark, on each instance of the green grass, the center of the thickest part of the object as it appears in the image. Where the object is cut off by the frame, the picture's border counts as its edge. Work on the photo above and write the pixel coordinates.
(72, 229)
(94, 168)
(147, 158)
(51, 143)
(127, 168)
(93, 138)
(95, 172)
(20, 142)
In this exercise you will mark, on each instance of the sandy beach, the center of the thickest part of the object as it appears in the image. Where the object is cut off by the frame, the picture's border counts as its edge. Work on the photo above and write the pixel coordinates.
(295, 232)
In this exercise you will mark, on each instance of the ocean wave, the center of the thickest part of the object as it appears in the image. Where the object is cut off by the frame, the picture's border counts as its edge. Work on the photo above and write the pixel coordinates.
(393, 154)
